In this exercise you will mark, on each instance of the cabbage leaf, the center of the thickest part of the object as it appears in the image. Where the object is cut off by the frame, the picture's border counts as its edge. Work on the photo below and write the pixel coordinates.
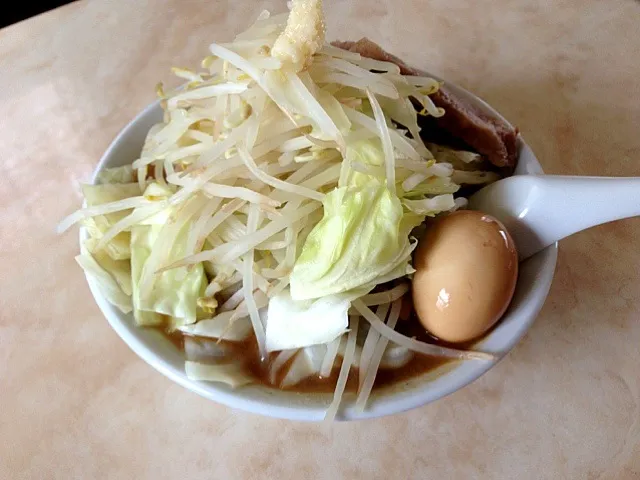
(363, 235)
(296, 324)
(176, 291)
(106, 280)
(118, 247)
(113, 175)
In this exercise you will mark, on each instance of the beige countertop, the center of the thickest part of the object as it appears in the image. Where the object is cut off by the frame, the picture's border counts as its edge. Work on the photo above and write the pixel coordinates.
(77, 403)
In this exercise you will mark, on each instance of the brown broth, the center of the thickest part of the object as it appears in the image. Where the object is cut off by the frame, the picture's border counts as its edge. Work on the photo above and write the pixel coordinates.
(247, 353)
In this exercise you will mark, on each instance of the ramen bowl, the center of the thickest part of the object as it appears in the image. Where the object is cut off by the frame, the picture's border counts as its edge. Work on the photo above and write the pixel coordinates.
(534, 281)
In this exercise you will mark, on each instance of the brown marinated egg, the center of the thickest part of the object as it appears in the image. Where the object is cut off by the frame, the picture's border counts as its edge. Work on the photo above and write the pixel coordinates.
(466, 271)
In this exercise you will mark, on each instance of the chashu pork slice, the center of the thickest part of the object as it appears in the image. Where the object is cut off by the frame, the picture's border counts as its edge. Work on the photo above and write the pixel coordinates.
(489, 136)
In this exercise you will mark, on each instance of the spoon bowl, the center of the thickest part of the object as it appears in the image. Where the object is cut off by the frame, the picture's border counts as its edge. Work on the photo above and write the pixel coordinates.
(539, 210)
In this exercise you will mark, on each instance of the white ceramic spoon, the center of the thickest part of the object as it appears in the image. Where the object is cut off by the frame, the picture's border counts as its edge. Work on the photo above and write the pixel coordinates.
(539, 210)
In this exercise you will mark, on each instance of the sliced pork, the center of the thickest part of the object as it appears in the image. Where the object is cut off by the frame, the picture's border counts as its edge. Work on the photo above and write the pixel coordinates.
(489, 136)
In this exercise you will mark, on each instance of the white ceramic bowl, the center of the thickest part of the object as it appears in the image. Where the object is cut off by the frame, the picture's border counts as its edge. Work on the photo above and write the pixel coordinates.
(534, 281)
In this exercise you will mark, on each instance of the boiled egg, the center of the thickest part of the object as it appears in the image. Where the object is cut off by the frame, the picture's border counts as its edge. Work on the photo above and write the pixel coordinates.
(466, 271)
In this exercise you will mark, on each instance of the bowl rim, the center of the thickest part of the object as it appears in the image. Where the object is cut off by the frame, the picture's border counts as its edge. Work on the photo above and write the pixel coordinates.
(421, 391)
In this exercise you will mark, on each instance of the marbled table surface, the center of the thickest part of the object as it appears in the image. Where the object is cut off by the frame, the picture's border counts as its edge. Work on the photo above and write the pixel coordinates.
(77, 403)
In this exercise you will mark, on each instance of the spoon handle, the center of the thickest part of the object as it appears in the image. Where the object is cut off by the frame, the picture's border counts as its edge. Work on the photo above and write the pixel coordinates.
(539, 210)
